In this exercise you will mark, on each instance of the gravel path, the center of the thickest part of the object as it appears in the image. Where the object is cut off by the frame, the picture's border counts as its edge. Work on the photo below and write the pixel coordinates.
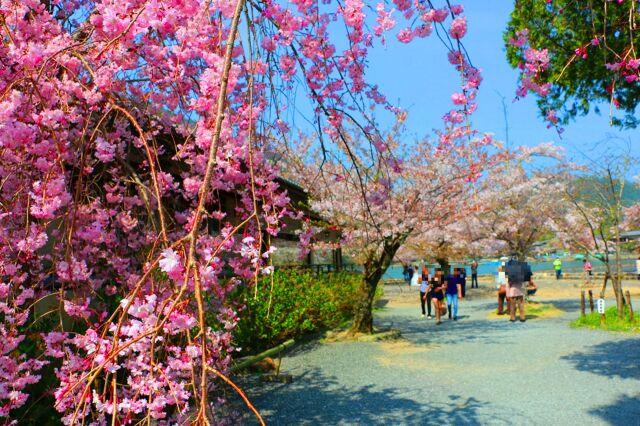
(473, 371)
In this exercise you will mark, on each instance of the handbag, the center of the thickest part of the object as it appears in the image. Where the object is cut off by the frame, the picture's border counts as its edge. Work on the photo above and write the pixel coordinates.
(443, 309)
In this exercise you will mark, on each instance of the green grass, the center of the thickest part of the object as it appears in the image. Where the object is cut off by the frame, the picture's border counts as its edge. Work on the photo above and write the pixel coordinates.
(612, 322)
(533, 310)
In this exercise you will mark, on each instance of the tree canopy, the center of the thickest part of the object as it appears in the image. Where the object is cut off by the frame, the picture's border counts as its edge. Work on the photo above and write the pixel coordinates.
(576, 56)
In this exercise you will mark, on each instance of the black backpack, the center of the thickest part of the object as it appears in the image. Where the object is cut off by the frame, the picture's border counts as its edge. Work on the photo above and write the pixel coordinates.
(518, 271)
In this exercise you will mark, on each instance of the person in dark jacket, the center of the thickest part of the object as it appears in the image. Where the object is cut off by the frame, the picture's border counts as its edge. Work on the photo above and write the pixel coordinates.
(453, 292)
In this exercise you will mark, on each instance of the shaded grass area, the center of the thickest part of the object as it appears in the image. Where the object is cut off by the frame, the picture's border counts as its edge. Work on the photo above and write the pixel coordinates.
(533, 310)
(612, 322)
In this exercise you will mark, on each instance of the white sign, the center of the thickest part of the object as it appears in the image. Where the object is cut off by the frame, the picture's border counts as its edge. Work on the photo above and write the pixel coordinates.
(600, 305)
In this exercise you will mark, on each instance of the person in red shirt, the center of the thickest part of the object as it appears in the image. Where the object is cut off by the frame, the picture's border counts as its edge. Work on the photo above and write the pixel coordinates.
(588, 269)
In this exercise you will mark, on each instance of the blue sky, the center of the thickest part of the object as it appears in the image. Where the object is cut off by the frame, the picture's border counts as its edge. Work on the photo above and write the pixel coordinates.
(419, 78)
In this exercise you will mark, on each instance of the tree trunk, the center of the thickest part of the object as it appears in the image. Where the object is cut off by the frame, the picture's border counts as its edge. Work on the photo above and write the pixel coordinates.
(617, 281)
(444, 265)
(616, 285)
(617, 291)
(374, 267)
(363, 316)
(607, 275)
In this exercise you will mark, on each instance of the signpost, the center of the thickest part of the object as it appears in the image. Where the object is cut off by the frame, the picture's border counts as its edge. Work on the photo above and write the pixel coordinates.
(600, 305)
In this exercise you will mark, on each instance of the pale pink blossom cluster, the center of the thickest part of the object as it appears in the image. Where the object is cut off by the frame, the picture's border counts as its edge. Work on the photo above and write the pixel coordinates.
(384, 20)
(516, 204)
(426, 191)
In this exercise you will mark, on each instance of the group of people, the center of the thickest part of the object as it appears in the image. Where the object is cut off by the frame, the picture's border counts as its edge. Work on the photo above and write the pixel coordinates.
(438, 289)
(410, 274)
(440, 293)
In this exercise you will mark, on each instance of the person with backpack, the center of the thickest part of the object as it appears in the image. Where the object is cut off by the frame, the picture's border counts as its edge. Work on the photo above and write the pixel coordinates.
(518, 273)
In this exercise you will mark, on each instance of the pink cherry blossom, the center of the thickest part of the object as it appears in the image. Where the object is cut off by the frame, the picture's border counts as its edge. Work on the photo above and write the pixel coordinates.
(171, 263)
(405, 35)
(458, 27)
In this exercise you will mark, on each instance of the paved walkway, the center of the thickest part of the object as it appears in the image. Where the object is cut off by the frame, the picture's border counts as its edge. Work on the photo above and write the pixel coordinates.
(473, 371)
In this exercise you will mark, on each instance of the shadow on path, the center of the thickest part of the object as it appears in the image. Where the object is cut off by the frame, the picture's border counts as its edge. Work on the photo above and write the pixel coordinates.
(567, 305)
(314, 398)
(624, 411)
(612, 359)
(449, 332)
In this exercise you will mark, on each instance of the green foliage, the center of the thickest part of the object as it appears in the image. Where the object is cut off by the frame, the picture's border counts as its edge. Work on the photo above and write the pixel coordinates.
(579, 84)
(291, 303)
(39, 409)
(612, 322)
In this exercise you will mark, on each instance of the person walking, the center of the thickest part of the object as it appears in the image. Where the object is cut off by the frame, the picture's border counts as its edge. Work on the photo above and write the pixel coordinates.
(425, 272)
(453, 291)
(501, 285)
(436, 292)
(557, 265)
(474, 274)
(588, 270)
(406, 274)
(424, 298)
(462, 280)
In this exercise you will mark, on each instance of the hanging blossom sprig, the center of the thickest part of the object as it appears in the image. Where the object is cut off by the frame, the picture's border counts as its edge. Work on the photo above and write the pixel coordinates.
(532, 74)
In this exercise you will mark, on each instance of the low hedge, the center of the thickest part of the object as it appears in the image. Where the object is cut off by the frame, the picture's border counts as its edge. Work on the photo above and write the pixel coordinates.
(291, 303)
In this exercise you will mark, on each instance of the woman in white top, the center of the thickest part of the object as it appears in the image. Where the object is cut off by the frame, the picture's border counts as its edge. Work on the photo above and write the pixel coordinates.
(415, 278)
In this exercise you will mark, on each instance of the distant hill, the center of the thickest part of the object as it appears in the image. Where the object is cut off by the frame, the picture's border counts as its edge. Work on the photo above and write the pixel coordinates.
(630, 193)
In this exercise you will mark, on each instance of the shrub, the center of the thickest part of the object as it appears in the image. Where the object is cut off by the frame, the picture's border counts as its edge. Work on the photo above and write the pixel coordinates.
(291, 303)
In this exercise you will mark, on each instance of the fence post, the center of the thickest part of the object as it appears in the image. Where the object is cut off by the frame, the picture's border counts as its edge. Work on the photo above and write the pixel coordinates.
(582, 303)
(630, 306)
(591, 300)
